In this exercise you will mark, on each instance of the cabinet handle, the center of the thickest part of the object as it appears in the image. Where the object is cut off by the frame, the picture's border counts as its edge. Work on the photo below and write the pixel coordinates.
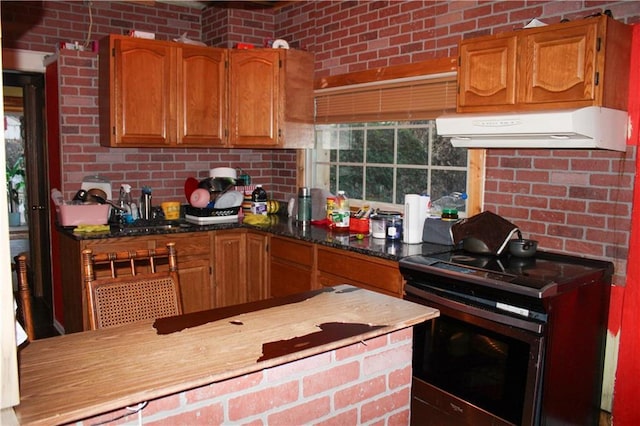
(597, 78)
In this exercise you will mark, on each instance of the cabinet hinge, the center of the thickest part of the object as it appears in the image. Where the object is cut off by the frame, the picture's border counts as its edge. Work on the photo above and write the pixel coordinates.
(210, 270)
(113, 51)
(280, 63)
(279, 133)
(226, 64)
(598, 44)
(113, 130)
(459, 61)
(597, 78)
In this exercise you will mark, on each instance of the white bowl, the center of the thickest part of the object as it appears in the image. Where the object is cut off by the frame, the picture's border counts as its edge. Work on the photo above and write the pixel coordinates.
(223, 172)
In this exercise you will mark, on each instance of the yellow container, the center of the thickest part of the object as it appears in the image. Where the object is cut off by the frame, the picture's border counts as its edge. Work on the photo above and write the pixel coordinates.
(171, 210)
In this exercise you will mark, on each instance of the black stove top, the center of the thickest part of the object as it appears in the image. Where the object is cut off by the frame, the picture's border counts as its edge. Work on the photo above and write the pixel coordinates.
(539, 276)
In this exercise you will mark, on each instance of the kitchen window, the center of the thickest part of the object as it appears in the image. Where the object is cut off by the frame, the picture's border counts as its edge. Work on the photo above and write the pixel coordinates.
(380, 162)
(377, 141)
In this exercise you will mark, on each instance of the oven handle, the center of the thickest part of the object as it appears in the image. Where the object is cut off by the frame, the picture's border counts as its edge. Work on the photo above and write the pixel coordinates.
(488, 315)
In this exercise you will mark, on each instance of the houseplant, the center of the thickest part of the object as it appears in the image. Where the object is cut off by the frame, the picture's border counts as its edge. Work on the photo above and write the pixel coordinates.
(15, 189)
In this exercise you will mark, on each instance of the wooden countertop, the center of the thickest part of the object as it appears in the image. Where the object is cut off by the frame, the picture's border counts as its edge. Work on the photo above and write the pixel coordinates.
(67, 378)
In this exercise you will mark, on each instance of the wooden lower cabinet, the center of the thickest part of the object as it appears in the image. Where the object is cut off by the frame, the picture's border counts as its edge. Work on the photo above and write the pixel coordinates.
(257, 266)
(291, 265)
(228, 267)
(335, 266)
(195, 258)
(240, 266)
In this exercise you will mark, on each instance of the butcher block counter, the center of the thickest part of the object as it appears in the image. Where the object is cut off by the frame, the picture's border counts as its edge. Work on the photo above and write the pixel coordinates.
(78, 376)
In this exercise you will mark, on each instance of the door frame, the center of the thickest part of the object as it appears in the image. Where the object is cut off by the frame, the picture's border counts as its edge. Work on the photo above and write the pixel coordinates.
(26, 69)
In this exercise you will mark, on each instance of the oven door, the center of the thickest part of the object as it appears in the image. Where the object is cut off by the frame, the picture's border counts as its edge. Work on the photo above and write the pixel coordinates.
(469, 367)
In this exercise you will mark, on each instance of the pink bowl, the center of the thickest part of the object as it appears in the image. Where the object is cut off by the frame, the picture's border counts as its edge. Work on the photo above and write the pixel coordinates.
(200, 198)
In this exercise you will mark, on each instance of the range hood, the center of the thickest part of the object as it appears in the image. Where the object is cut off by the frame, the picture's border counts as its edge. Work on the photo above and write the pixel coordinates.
(588, 127)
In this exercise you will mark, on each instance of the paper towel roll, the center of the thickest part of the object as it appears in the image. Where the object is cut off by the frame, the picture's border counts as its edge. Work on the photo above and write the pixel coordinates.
(415, 213)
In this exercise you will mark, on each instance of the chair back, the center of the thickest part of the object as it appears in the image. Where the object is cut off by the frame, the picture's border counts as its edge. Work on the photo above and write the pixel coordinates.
(116, 300)
(25, 313)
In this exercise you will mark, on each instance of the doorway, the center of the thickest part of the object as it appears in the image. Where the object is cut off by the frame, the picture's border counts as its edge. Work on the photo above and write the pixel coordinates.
(25, 107)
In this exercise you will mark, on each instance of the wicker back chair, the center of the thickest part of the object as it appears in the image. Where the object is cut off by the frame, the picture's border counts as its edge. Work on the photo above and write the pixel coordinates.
(25, 314)
(137, 296)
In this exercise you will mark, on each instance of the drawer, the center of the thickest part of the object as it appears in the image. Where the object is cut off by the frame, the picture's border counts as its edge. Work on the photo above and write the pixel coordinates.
(353, 268)
(293, 251)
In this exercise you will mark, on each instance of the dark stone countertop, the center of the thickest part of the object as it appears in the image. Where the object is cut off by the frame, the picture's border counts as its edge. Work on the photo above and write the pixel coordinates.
(282, 226)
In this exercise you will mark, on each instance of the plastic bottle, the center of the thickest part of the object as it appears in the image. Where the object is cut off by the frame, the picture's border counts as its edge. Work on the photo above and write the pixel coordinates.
(124, 201)
(259, 201)
(304, 204)
(449, 205)
(341, 213)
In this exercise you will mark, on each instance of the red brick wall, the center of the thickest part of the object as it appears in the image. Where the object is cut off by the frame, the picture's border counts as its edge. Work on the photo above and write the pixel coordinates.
(364, 383)
(40, 26)
(572, 201)
(345, 37)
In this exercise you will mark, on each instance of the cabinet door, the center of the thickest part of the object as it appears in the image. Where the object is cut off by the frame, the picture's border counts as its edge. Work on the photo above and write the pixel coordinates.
(560, 66)
(195, 260)
(254, 84)
(143, 93)
(257, 266)
(230, 271)
(487, 74)
(196, 290)
(291, 266)
(202, 96)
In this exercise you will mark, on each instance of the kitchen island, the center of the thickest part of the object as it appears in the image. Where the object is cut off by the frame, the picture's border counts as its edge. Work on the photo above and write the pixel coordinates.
(340, 354)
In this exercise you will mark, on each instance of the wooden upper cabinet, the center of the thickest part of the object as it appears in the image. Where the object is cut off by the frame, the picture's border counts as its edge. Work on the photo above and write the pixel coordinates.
(487, 74)
(202, 112)
(159, 94)
(254, 87)
(270, 98)
(137, 92)
(567, 65)
(165, 94)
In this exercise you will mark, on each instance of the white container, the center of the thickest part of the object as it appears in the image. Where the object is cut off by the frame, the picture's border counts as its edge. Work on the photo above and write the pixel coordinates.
(223, 172)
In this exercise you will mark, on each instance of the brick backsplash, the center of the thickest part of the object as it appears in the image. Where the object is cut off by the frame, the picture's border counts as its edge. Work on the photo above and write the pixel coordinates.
(550, 194)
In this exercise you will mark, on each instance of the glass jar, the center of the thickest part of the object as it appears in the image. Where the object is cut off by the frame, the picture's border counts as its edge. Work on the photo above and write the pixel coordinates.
(393, 229)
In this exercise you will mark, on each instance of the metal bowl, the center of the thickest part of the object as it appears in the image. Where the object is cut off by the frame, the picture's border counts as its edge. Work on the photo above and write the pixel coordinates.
(523, 247)
(216, 186)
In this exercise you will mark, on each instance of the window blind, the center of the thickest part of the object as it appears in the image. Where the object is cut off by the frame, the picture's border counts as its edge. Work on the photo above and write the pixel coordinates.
(414, 98)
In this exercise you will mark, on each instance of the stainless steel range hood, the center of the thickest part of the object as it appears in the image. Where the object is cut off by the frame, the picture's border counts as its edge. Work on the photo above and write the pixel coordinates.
(589, 127)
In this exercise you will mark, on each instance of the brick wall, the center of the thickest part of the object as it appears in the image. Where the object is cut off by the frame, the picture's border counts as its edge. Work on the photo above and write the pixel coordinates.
(40, 26)
(364, 383)
(576, 202)
(345, 37)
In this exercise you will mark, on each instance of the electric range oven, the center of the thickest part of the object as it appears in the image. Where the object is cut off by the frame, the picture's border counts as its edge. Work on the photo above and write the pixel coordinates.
(518, 340)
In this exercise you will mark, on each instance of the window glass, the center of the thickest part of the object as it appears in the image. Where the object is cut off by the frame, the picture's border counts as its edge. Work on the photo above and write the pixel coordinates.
(380, 162)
